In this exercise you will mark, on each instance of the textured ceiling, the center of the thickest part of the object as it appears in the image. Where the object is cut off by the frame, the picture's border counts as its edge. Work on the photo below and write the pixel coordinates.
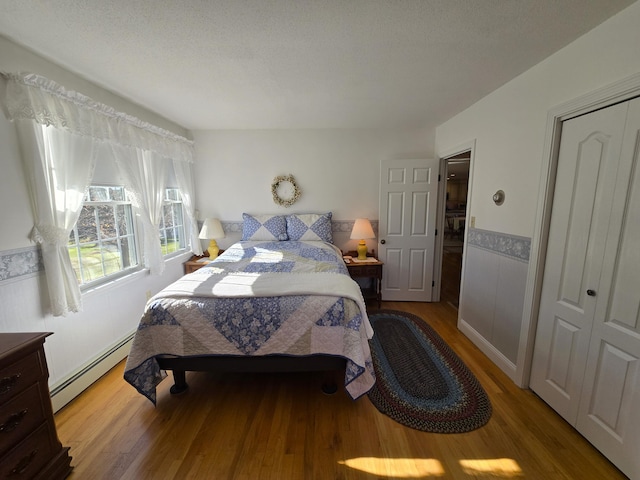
(238, 64)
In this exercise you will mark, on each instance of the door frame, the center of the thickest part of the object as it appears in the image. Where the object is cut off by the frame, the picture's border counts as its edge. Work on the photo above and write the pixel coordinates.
(616, 92)
(470, 147)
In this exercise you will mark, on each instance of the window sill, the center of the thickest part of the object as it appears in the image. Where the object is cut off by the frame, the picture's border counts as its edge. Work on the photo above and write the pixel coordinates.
(134, 274)
(114, 282)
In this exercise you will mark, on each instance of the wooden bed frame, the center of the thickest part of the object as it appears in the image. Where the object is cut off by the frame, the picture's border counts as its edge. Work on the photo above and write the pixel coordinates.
(268, 363)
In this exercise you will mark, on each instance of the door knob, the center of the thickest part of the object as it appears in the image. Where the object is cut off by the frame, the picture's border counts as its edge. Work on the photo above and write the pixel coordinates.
(383, 241)
(591, 293)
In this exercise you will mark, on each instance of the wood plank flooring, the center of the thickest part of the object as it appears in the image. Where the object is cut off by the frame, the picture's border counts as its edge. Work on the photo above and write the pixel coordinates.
(451, 272)
(282, 426)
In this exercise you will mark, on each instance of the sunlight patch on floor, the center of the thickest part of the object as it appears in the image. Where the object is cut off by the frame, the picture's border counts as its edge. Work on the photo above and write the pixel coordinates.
(495, 467)
(396, 467)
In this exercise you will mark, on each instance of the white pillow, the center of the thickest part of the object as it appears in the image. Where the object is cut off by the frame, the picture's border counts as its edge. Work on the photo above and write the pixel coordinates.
(310, 226)
(264, 227)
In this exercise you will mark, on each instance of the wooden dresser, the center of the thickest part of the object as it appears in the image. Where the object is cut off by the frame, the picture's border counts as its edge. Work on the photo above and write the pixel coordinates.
(29, 445)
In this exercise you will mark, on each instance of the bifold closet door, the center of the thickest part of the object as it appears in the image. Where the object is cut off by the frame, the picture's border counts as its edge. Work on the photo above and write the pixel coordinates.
(585, 362)
(609, 413)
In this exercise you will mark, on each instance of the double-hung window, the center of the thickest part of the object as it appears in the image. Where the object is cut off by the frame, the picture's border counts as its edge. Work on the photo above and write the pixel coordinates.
(172, 231)
(103, 241)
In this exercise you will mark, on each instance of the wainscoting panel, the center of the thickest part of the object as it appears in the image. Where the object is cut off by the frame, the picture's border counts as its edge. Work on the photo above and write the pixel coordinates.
(478, 297)
(512, 279)
(492, 295)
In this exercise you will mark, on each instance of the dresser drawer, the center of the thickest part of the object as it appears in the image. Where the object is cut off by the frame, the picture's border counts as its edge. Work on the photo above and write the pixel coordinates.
(20, 416)
(19, 375)
(29, 456)
(366, 271)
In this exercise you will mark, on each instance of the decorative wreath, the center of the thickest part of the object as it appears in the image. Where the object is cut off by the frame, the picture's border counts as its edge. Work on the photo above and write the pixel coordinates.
(285, 202)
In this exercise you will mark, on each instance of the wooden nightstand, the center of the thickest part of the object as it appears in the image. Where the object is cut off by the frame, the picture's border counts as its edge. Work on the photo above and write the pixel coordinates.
(196, 262)
(372, 270)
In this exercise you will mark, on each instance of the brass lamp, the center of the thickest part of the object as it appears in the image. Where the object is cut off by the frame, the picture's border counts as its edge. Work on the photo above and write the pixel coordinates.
(211, 230)
(362, 230)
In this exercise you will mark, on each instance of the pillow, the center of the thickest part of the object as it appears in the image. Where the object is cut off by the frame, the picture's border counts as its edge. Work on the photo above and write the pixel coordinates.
(264, 227)
(310, 226)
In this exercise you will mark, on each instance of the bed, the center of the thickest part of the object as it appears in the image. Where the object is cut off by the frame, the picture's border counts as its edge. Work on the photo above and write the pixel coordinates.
(280, 299)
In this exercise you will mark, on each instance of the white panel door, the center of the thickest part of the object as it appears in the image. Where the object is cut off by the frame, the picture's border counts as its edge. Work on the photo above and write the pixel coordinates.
(609, 413)
(585, 180)
(587, 350)
(408, 200)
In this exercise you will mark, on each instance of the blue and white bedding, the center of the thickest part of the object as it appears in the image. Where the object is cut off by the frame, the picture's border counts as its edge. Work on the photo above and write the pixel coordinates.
(258, 298)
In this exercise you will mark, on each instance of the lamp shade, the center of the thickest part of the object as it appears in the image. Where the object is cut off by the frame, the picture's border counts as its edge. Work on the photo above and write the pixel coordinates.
(362, 229)
(211, 228)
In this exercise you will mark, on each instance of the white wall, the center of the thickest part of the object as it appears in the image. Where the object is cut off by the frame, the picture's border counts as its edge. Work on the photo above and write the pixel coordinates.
(509, 128)
(337, 170)
(509, 124)
(111, 313)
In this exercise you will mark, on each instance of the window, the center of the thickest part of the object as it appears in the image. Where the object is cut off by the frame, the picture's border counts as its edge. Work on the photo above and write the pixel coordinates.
(172, 236)
(103, 241)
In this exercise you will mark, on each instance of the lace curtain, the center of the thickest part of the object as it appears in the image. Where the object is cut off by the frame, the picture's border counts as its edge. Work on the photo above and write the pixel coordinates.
(184, 177)
(60, 160)
(145, 176)
(58, 167)
(33, 97)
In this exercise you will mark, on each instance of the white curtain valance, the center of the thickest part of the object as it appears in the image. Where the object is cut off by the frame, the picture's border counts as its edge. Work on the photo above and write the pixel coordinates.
(34, 97)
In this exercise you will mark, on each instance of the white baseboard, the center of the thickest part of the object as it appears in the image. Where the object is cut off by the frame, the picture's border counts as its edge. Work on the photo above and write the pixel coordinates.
(503, 363)
(66, 390)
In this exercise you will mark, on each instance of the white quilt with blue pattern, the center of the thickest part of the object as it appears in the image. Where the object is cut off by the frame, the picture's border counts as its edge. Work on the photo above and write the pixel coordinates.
(258, 298)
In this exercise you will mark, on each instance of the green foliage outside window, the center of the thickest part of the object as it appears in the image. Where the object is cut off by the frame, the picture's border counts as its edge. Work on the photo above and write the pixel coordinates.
(103, 241)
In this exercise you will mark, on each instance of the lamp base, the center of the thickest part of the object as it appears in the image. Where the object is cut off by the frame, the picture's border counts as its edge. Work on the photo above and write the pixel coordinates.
(213, 250)
(362, 250)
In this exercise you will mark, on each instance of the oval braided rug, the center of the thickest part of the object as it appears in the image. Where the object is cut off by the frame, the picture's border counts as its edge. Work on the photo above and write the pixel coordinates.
(420, 381)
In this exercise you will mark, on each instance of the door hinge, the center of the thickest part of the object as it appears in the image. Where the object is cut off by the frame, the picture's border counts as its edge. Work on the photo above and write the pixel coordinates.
(439, 177)
(433, 283)
(436, 232)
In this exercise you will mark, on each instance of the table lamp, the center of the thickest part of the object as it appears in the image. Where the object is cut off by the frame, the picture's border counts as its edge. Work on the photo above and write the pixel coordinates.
(362, 230)
(212, 229)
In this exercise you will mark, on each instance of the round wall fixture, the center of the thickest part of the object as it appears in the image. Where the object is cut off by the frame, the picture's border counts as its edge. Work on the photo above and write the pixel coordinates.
(498, 197)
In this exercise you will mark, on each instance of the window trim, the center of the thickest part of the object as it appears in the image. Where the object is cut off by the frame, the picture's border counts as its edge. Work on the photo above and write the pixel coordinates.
(136, 237)
(136, 225)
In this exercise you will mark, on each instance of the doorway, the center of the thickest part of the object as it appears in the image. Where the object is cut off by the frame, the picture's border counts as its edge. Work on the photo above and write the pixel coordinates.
(455, 214)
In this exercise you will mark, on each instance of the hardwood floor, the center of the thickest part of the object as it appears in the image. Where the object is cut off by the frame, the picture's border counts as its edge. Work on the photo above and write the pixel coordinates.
(451, 272)
(282, 426)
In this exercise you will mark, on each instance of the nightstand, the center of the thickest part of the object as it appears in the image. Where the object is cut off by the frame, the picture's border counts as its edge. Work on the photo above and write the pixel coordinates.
(196, 262)
(372, 270)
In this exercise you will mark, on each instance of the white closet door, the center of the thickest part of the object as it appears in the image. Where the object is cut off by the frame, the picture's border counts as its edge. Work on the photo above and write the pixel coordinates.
(609, 413)
(586, 361)
(582, 202)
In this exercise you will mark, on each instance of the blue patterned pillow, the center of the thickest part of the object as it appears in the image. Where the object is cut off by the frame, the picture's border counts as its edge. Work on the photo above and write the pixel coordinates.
(310, 226)
(264, 227)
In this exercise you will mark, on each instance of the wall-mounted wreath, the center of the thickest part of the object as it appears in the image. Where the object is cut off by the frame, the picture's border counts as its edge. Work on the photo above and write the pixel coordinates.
(285, 191)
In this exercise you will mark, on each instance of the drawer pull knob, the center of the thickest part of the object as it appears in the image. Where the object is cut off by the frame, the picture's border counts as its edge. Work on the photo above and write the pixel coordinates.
(13, 421)
(7, 383)
(23, 464)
